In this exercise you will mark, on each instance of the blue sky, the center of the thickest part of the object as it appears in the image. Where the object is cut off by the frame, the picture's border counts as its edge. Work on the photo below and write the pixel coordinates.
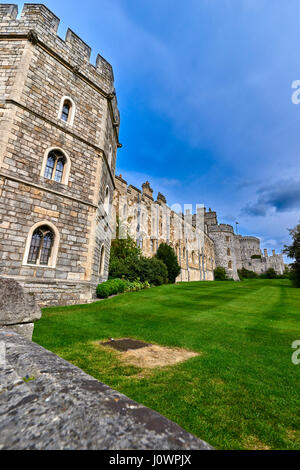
(204, 90)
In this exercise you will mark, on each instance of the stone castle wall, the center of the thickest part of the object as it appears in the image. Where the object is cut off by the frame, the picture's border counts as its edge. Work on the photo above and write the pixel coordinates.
(151, 222)
(39, 70)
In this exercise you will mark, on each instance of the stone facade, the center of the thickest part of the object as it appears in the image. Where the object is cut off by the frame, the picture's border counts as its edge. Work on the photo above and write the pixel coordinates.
(43, 76)
(151, 222)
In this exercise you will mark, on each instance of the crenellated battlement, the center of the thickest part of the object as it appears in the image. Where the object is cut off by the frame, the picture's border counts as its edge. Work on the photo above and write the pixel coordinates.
(37, 21)
(221, 228)
(249, 238)
(8, 11)
(39, 13)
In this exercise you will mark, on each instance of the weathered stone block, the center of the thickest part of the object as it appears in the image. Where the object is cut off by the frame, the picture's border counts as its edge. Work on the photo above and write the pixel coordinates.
(18, 310)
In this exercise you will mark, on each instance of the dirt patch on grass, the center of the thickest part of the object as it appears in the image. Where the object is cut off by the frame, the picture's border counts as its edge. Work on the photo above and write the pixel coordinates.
(125, 344)
(145, 355)
(156, 356)
(293, 435)
(253, 443)
(217, 381)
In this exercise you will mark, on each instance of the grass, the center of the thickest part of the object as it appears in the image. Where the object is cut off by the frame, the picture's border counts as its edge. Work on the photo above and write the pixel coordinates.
(241, 392)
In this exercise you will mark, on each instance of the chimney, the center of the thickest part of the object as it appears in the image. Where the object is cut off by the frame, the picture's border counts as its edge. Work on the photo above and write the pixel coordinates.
(265, 252)
(161, 198)
(147, 190)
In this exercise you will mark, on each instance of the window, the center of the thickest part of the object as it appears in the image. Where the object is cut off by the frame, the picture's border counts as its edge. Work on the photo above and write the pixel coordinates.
(153, 245)
(227, 239)
(110, 155)
(101, 263)
(228, 252)
(230, 264)
(55, 165)
(41, 246)
(65, 114)
(106, 200)
(153, 225)
(67, 110)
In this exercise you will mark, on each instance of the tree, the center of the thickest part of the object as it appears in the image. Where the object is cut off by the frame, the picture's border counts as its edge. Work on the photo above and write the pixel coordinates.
(166, 254)
(124, 248)
(293, 252)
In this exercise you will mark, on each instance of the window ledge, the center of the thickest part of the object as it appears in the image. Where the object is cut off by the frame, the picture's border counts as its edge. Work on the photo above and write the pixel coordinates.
(38, 266)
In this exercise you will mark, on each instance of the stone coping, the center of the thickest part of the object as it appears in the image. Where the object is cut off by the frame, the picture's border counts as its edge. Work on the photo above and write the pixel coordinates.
(49, 404)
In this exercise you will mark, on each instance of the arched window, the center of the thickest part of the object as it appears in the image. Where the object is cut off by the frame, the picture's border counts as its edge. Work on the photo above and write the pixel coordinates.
(230, 264)
(65, 114)
(67, 110)
(101, 263)
(55, 166)
(106, 200)
(41, 246)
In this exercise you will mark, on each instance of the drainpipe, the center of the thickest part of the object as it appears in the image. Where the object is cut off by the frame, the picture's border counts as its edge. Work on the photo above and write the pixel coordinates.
(187, 259)
(199, 259)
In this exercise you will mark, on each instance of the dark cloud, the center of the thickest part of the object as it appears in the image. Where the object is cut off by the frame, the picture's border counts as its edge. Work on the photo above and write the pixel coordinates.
(283, 196)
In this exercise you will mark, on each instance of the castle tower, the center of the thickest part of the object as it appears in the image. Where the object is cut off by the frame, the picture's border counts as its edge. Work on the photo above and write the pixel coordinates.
(58, 142)
(225, 248)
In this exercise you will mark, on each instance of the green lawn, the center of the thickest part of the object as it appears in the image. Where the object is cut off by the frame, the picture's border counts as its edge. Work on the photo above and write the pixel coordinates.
(242, 392)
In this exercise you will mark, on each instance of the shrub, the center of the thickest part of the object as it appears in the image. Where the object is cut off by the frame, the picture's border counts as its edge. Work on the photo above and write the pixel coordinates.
(246, 274)
(118, 286)
(146, 285)
(269, 274)
(110, 287)
(119, 268)
(102, 290)
(133, 286)
(166, 254)
(220, 274)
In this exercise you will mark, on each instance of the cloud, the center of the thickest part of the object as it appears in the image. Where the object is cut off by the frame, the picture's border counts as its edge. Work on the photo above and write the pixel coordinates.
(282, 196)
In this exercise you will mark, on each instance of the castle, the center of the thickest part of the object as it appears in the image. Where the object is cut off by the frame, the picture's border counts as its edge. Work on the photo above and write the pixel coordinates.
(59, 196)
(199, 241)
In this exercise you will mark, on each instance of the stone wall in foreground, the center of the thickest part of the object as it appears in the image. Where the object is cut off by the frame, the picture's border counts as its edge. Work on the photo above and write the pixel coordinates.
(47, 403)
